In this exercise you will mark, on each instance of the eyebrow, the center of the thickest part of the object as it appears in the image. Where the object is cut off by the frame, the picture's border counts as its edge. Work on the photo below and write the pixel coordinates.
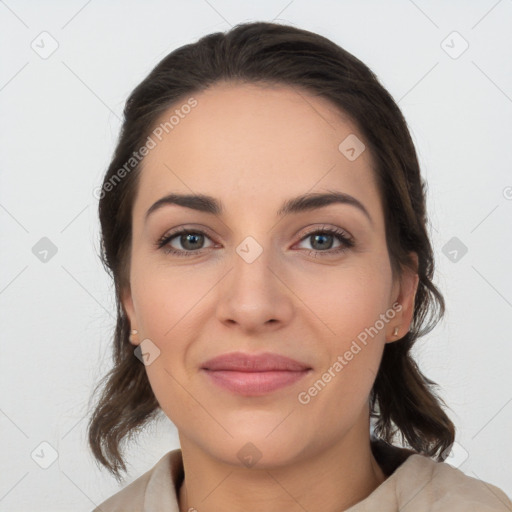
(306, 202)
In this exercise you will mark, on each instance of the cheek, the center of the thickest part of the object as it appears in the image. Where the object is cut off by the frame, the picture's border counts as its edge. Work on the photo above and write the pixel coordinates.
(167, 303)
(165, 296)
(348, 299)
(352, 306)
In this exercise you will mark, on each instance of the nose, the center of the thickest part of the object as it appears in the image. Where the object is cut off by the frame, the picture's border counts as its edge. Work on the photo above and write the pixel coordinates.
(254, 295)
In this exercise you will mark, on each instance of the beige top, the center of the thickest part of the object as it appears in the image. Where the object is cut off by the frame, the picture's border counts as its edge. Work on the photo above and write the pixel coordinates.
(414, 480)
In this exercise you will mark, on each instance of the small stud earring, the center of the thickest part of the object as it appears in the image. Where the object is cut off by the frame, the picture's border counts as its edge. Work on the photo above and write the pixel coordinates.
(133, 333)
(395, 332)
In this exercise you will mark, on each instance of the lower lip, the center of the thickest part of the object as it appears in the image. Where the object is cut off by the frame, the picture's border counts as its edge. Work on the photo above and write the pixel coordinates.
(254, 383)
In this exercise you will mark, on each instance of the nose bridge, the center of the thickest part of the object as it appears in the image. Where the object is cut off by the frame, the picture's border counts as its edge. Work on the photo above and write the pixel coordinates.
(252, 275)
(252, 294)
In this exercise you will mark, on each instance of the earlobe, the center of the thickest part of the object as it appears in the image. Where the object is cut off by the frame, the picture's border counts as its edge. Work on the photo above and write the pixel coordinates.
(133, 336)
(397, 333)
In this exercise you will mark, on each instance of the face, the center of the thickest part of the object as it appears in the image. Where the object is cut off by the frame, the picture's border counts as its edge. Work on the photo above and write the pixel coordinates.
(313, 285)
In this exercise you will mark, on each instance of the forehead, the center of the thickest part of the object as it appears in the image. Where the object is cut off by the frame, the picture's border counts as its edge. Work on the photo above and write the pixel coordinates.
(245, 142)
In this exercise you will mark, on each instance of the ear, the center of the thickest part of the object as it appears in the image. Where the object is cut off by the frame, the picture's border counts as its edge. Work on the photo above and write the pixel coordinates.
(404, 293)
(127, 302)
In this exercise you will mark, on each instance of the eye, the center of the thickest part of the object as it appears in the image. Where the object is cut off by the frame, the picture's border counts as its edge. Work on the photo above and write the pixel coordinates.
(323, 239)
(191, 241)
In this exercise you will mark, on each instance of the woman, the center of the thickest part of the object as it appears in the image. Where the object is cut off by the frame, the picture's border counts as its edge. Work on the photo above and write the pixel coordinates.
(239, 157)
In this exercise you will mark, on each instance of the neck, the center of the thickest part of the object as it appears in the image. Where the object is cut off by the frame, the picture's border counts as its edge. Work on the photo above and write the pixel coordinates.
(332, 480)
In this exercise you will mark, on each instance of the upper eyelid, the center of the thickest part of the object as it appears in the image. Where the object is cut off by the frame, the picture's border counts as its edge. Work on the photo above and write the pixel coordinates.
(325, 227)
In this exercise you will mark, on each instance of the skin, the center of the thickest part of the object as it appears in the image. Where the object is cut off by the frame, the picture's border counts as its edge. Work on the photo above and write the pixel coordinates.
(253, 147)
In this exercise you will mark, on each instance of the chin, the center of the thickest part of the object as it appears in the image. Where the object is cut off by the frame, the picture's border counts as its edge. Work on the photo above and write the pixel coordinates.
(254, 448)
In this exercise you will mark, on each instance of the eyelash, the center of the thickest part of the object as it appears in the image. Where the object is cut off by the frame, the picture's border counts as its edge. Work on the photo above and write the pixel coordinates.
(346, 241)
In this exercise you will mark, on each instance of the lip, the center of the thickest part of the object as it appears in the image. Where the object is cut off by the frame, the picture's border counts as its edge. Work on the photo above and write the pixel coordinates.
(254, 374)
(265, 362)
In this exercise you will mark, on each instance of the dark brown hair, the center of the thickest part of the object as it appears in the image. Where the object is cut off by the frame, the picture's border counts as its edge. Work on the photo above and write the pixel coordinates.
(402, 398)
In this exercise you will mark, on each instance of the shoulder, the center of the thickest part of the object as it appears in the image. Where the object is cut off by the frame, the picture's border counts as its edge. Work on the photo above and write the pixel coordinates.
(130, 498)
(425, 484)
(160, 478)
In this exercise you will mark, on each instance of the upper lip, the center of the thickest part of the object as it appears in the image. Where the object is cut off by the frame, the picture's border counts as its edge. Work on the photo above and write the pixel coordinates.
(265, 362)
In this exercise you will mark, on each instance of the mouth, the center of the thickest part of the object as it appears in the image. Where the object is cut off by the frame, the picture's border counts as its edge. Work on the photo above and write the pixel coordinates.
(254, 375)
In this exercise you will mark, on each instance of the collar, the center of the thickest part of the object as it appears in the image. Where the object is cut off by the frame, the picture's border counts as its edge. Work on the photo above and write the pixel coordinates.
(415, 481)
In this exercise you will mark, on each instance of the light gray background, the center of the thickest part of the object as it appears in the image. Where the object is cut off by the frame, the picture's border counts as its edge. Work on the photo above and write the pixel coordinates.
(59, 123)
